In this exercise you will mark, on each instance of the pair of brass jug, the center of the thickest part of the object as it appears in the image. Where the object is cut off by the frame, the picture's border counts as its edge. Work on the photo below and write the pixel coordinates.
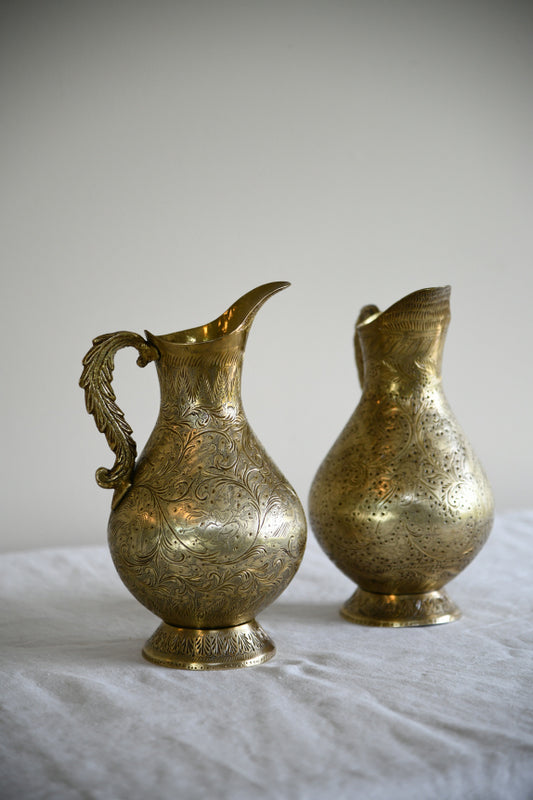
(205, 531)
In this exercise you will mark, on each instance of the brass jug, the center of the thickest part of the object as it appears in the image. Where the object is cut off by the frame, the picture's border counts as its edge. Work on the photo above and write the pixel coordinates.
(401, 503)
(204, 529)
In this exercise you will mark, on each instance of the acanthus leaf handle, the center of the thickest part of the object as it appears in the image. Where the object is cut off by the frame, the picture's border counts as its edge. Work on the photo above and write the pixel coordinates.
(100, 400)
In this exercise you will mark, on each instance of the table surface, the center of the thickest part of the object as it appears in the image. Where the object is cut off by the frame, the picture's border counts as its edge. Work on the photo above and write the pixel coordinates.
(341, 711)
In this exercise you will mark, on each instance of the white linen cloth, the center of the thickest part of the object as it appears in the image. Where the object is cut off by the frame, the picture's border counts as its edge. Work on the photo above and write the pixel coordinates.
(341, 711)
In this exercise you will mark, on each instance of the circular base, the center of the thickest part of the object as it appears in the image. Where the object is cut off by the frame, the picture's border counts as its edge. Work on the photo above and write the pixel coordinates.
(216, 648)
(400, 610)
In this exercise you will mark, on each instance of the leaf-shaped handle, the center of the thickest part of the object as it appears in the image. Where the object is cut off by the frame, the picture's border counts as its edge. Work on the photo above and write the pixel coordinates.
(364, 314)
(100, 399)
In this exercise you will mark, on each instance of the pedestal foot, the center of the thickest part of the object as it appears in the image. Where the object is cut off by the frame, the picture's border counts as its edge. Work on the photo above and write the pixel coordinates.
(400, 610)
(216, 648)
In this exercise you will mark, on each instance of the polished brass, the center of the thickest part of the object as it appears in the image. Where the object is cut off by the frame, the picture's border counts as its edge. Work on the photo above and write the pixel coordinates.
(204, 529)
(401, 504)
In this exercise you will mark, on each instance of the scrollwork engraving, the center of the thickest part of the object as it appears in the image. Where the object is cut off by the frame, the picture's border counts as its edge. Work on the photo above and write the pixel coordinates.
(401, 503)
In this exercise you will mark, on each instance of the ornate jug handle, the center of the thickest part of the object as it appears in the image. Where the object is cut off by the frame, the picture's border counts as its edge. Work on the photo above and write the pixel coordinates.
(100, 398)
(364, 314)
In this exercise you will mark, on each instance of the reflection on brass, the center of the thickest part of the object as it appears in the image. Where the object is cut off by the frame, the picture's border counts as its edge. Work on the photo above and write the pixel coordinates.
(204, 529)
(401, 504)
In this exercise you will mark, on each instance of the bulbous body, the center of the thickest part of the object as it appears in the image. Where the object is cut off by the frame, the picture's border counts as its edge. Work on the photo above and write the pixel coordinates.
(208, 532)
(401, 504)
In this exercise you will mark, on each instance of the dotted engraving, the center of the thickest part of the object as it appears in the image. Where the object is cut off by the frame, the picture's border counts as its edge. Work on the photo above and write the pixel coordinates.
(401, 503)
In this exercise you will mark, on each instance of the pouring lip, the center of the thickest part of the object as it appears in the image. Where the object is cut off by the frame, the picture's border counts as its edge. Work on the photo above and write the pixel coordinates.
(235, 321)
(414, 304)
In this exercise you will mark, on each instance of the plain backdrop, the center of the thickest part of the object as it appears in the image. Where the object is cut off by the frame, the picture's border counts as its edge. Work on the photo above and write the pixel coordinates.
(160, 159)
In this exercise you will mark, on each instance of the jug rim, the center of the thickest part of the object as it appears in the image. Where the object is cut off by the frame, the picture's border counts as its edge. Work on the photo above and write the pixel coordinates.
(414, 302)
(235, 320)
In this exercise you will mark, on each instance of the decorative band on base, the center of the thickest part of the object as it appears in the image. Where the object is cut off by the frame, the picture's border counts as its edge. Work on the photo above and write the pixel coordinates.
(216, 648)
(400, 610)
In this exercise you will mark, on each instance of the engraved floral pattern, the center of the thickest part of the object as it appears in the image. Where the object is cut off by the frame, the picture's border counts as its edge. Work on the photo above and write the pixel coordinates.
(401, 503)
(210, 532)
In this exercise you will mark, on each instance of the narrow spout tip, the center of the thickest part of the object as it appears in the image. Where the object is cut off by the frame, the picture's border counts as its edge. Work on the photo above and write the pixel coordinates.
(271, 288)
(249, 304)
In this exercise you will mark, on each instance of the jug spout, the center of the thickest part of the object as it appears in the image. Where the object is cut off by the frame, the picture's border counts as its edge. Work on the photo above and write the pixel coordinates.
(242, 313)
(235, 321)
(405, 341)
(201, 367)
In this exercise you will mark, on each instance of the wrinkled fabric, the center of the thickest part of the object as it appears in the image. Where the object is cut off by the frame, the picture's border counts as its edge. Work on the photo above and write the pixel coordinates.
(341, 711)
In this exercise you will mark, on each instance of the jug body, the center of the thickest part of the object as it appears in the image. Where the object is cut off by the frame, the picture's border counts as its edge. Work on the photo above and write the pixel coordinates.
(401, 504)
(208, 532)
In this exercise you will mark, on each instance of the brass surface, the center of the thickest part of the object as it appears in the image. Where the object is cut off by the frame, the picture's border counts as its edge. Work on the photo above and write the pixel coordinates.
(400, 503)
(204, 529)
(400, 610)
(222, 648)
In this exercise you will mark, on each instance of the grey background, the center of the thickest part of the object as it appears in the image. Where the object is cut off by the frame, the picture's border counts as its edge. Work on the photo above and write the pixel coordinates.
(159, 159)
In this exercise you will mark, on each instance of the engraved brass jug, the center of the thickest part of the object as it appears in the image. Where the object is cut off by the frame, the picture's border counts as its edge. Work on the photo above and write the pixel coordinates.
(401, 503)
(204, 529)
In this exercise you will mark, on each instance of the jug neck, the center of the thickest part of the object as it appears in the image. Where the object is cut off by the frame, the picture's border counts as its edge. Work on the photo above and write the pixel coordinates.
(203, 376)
(201, 367)
(402, 348)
